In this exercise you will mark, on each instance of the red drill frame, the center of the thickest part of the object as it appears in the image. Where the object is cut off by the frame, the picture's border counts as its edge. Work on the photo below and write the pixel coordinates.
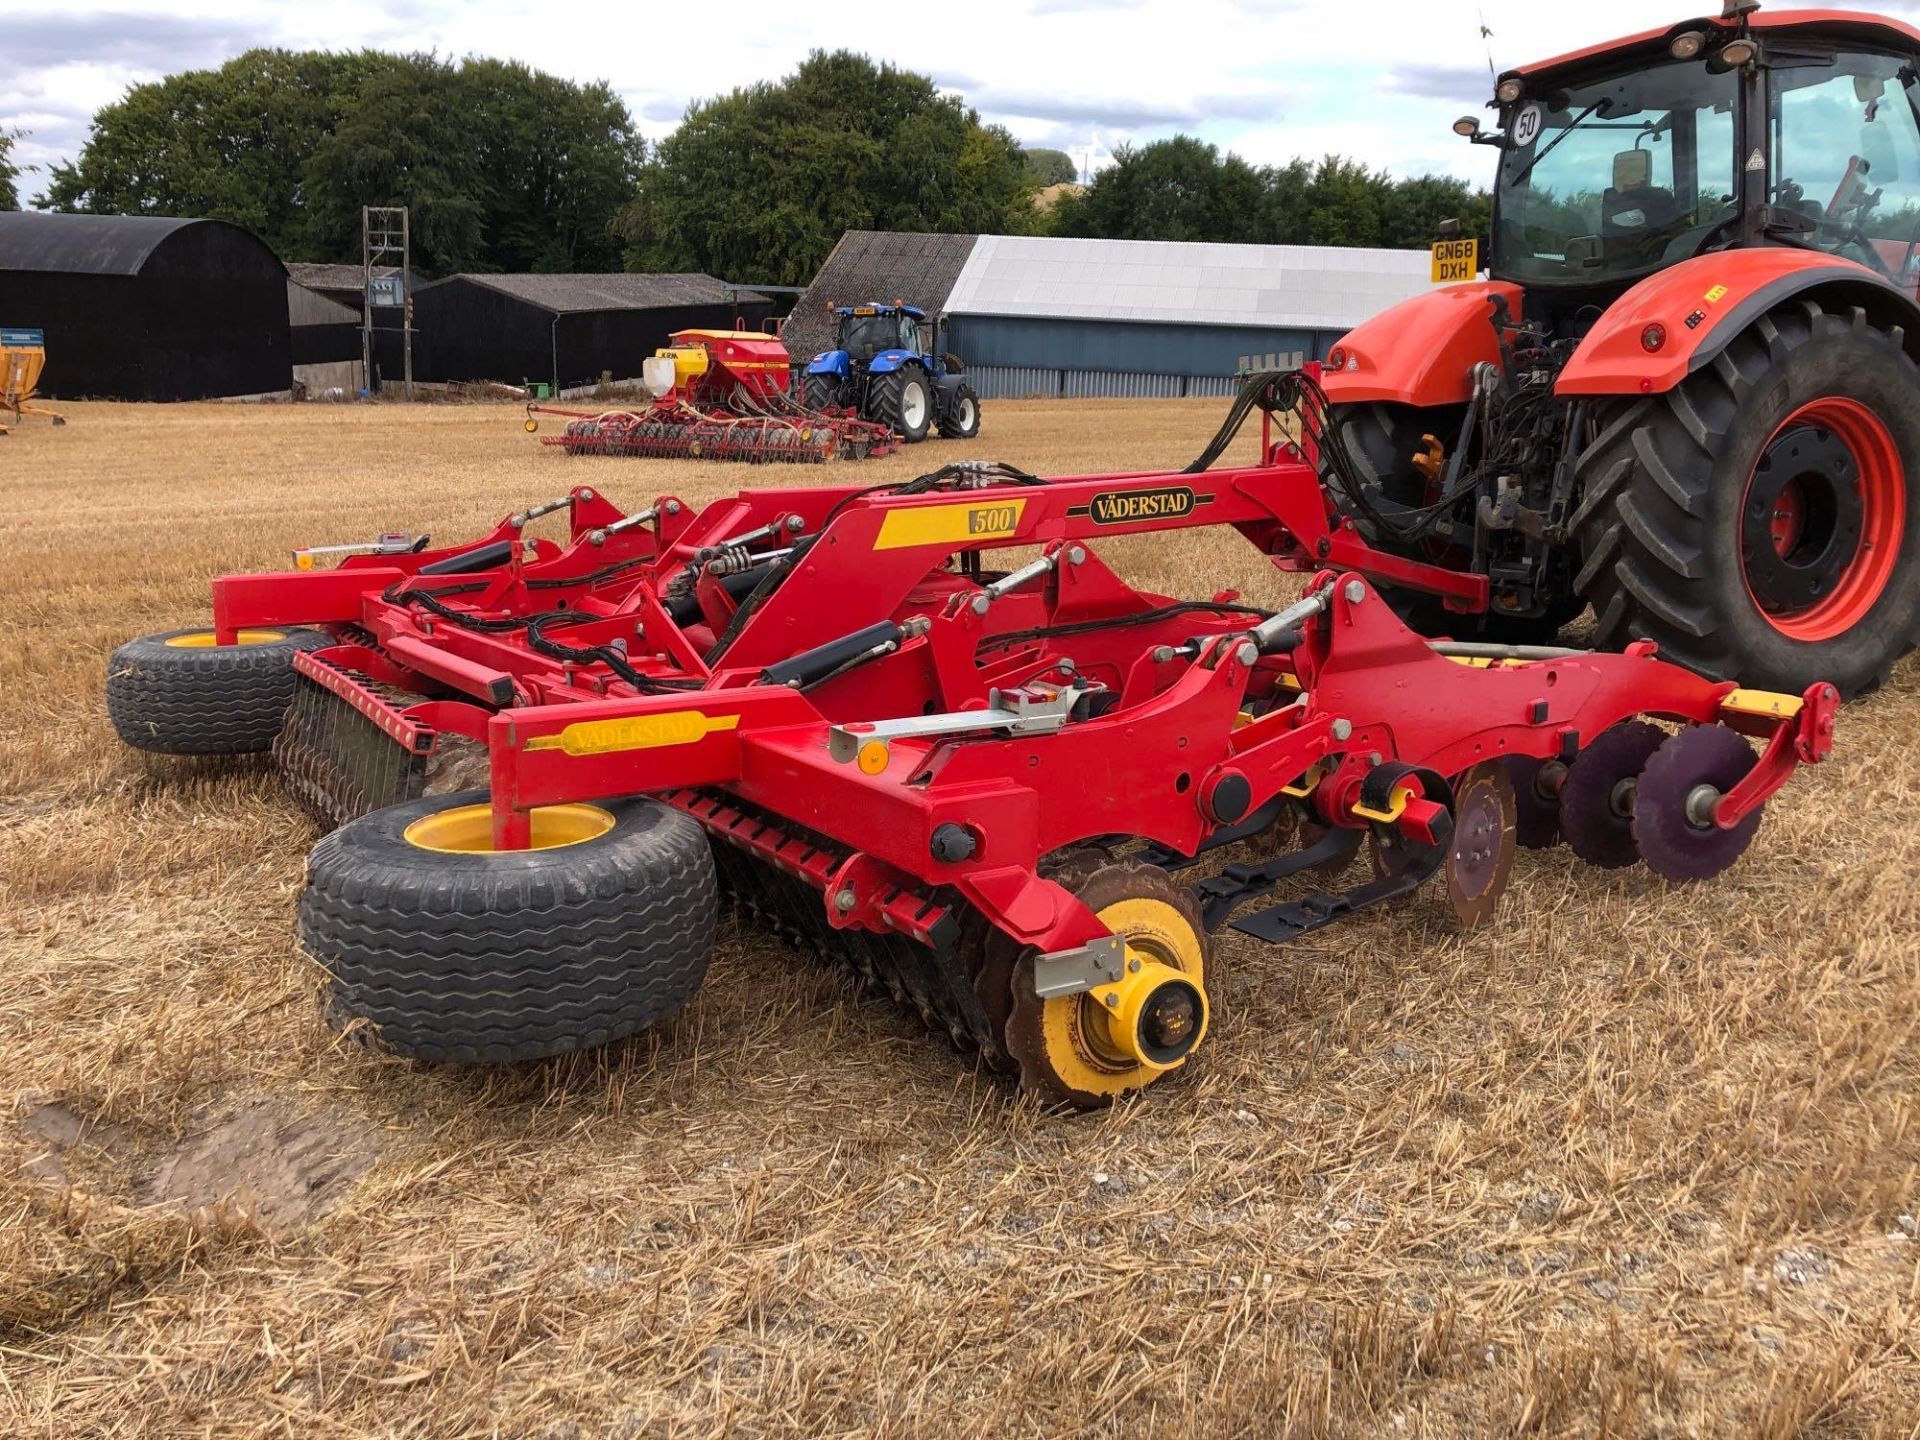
(1185, 726)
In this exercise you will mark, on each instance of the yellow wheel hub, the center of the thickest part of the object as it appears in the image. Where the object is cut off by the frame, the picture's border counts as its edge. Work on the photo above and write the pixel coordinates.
(1122, 1036)
(204, 639)
(468, 829)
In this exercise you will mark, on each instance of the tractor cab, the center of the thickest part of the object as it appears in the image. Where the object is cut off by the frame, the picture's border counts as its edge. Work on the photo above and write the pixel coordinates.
(1745, 131)
(868, 331)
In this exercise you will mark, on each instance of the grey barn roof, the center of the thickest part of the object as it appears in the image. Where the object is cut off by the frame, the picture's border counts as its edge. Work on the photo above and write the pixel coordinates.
(875, 265)
(32, 240)
(333, 277)
(566, 294)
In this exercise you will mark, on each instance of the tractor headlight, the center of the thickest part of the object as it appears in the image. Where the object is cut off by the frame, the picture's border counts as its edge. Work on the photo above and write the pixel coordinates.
(1736, 53)
(1687, 45)
(1508, 92)
(1466, 127)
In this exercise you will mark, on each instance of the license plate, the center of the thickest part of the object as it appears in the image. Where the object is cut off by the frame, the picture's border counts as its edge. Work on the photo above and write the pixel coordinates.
(1455, 260)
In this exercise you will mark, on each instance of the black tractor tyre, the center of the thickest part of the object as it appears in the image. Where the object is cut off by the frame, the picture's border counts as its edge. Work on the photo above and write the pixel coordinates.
(180, 694)
(961, 421)
(488, 957)
(1674, 536)
(901, 399)
(821, 392)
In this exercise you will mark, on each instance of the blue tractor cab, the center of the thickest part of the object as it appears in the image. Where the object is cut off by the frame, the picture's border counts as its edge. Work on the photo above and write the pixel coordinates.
(887, 366)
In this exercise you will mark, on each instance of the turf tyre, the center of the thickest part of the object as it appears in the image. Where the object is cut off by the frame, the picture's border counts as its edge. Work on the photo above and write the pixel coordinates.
(175, 699)
(1658, 526)
(490, 958)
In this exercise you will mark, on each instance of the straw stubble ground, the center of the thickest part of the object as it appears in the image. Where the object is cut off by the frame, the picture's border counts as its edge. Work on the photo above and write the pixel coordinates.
(1637, 1161)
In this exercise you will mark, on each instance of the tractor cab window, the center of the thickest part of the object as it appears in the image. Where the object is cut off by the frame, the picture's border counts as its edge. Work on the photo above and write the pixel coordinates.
(1846, 158)
(910, 334)
(867, 335)
(1611, 179)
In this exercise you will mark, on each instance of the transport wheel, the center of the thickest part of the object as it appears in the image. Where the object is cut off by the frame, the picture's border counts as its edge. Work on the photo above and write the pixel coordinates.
(903, 401)
(1758, 521)
(962, 420)
(1596, 803)
(1084, 1051)
(451, 951)
(1673, 804)
(181, 694)
(822, 392)
(1536, 800)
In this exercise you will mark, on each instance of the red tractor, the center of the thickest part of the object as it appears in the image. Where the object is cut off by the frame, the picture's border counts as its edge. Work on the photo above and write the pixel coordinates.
(1686, 396)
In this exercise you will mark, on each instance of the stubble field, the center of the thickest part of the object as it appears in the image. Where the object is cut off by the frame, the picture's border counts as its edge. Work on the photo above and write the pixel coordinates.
(1637, 1160)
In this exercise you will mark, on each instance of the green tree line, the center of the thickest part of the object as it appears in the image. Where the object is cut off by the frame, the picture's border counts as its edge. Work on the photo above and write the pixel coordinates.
(506, 168)
(10, 171)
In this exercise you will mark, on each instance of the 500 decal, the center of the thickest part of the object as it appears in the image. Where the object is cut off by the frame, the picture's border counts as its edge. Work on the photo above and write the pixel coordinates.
(1124, 507)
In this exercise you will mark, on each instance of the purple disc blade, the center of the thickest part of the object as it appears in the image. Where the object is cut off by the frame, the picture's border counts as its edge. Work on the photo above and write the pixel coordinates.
(1677, 790)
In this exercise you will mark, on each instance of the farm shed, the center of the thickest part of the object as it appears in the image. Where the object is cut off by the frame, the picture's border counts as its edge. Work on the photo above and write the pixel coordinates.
(138, 307)
(327, 347)
(1032, 315)
(564, 329)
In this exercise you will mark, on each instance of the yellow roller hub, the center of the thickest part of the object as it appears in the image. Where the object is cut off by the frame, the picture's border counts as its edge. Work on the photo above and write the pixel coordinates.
(204, 639)
(468, 829)
(1095, 1041)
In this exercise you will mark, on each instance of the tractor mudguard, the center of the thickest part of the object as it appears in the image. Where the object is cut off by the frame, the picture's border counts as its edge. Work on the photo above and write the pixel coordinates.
(887, 361)
(1702, 304)
(1422, 351)
(829, 362)
(946, 385)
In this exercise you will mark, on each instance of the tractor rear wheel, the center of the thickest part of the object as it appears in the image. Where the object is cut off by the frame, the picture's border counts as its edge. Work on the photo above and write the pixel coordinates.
(962, 420)
(438, 947)
(901, 399)
(1758, 521)
(180, 693)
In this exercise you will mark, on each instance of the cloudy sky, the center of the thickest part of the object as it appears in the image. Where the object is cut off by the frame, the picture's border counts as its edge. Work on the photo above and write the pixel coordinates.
(1380, 82)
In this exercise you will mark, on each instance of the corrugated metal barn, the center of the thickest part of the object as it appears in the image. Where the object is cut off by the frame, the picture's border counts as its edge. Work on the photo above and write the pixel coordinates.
(1043, 316)
(564, 329)
(137, 307)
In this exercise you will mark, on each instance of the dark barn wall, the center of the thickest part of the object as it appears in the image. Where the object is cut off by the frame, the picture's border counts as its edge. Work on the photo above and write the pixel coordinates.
(95, 329)
(467, 331)
(203, 315)
(324, 344)
(216, 314)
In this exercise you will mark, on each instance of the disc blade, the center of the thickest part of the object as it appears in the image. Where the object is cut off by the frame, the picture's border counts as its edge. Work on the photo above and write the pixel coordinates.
(1674, 846)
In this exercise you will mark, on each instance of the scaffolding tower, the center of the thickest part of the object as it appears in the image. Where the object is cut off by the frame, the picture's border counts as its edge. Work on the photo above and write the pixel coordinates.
(386, 242)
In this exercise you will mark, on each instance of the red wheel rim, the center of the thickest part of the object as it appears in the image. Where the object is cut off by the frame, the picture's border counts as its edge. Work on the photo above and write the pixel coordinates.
(1878, 497)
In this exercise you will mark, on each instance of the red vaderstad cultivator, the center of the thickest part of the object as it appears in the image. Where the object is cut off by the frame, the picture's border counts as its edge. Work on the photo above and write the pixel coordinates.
(992, 791)
(731, 399)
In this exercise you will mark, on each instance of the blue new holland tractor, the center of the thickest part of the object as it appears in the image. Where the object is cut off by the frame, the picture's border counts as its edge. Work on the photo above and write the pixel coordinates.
(887, 366)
